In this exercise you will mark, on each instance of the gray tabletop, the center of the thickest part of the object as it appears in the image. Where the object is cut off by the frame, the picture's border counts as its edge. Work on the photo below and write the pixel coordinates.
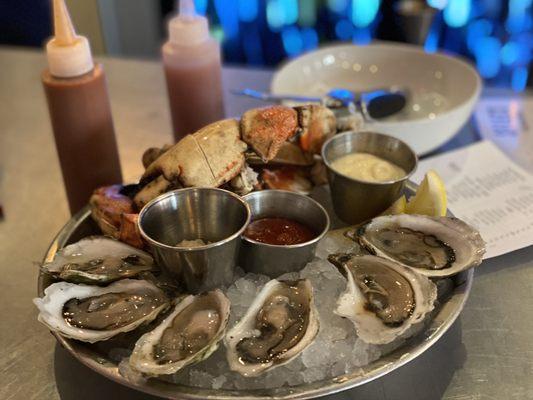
(487, 354)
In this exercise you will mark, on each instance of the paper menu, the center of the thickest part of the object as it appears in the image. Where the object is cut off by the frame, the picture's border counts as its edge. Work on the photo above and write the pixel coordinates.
(508, 122)
(490, 192)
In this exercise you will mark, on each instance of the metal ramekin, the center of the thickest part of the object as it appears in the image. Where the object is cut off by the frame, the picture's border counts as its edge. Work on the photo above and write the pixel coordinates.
(355, 201)
(213, 215)
(275, 260)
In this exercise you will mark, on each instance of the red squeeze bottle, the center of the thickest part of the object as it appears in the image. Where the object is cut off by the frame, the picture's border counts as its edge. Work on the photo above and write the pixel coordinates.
(80, 113)
(191, 59)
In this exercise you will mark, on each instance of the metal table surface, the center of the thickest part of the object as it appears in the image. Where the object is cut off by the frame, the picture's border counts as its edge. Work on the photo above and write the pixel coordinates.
(487, 354)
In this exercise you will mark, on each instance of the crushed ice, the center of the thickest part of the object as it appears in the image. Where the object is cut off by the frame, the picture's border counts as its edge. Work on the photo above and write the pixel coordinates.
(335, 351)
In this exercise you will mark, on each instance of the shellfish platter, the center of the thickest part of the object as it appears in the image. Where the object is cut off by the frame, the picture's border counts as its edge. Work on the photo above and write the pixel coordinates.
(373, 297)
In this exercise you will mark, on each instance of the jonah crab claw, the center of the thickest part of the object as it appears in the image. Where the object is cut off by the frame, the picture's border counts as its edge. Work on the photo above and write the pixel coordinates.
(266, 129)
(208, 158)
(317, 124)
(115, 214)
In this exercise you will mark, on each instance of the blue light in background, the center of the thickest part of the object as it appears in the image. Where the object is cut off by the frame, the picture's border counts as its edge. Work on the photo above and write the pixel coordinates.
(364, 12)
(338, 6)
(517, 51)
(229, 18)
(492, 8)
(487, 53)
(248, 10)
(275, 14)
(477, 30)
(432, 40)
(519, 79)
(292, 41)
(519, 18)
(281, 13)
(290, 8)
(457, 12)
(438, 4)
(510, 53)
(307, 13)
(200, 5)
(498, 34)
(310, 38)
(344, 29)
(362, 36)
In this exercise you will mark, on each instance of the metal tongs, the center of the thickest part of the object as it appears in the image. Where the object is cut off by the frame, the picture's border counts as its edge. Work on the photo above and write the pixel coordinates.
(372, 105)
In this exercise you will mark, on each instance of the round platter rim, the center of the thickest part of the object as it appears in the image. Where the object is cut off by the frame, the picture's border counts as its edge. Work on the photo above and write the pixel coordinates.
(446, 316)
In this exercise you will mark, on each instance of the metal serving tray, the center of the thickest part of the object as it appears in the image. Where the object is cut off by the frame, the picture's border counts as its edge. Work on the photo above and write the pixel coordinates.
(81, 225)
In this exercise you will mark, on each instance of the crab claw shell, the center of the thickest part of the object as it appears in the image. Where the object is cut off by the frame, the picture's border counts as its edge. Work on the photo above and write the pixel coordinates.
(266, 129)
(184, 161)
(288, 154)
(129, 231)
(223, 149)
(294, 179)
(317, 124)
(152, 154)
(153, 189)
(107, 207)
(208, 158)
(245, 181)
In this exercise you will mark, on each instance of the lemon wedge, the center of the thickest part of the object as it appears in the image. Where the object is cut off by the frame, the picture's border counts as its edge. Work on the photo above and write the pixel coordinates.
(398, 207)
(430, 198)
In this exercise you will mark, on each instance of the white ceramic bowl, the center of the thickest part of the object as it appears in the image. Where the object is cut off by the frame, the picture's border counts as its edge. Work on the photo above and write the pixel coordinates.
(443, 89)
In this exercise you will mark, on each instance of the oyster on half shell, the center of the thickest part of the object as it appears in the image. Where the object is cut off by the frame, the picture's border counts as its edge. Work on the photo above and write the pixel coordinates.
(189, 334)
(434, 246)
(281, 322)
(92, 313)
(98, 260)
(383, 299)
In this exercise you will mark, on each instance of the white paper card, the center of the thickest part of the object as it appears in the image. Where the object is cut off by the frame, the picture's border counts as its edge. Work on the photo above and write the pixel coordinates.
(490, 192)
(508, 122)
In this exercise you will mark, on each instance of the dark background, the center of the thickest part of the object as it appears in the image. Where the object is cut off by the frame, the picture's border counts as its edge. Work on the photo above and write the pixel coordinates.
(497, 35)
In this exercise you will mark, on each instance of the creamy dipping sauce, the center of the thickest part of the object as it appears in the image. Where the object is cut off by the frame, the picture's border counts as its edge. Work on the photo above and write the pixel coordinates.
(367, 167)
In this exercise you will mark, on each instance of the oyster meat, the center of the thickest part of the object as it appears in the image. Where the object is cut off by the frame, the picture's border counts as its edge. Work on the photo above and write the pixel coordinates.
(188, 335)
(92, 314)
(434, 246)
(98, 260)
(383, 299)
(281, 322)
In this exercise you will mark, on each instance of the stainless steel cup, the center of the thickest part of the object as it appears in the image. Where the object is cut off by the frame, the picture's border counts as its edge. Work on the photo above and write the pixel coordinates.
(216, 216)
(355, 201)
(275, 260)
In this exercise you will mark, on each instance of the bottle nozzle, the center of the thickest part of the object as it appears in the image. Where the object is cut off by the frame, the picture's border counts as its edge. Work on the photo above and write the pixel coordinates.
(64, 32)
(68, 54)
(188, 28)
(186, 8)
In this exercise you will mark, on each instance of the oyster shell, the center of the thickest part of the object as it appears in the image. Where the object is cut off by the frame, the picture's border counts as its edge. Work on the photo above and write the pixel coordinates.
(188, 335)
(281, 322)
(383, 299)
(92, 313)
(434, 246)
(98, 260)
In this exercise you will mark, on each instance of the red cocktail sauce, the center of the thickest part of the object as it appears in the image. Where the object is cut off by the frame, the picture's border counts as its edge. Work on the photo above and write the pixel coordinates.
(279, 231)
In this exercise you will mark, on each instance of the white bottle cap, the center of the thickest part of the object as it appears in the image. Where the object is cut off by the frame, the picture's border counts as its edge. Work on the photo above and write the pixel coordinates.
(188, 28)
(68, 54)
